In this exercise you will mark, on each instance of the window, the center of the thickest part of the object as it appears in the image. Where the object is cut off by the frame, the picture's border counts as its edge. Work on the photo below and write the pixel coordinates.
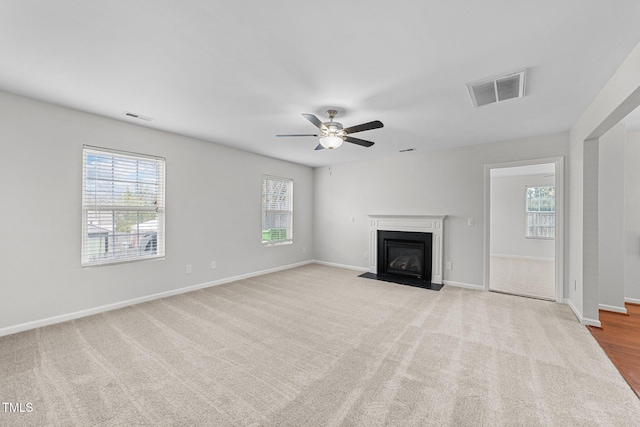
(122, 206)
(277, 210)
(540, 210)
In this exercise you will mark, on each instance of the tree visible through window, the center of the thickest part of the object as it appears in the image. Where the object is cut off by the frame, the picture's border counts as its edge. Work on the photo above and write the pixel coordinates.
(277, 210)
(540, 211)
(122, 206)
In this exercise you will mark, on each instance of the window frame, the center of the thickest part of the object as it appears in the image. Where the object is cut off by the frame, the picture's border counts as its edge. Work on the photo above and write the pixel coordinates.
(156, 182)
(288, 212)
(528, 212)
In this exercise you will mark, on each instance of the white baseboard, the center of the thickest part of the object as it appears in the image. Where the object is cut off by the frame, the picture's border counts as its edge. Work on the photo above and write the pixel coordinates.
(632, 300)
(591, 322)
(532, 258)
(583, 320)
(463, 285)
(348, 267)
(612, 308)
(91, 311)
(573, 308)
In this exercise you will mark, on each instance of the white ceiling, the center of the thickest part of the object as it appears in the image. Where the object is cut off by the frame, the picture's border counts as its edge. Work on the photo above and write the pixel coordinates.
(239, 72)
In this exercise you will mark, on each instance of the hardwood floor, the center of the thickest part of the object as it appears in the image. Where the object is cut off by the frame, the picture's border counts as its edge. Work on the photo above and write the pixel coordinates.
(619, 337)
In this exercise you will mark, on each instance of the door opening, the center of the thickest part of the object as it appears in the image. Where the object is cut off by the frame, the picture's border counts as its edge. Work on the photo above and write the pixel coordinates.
(522, 249)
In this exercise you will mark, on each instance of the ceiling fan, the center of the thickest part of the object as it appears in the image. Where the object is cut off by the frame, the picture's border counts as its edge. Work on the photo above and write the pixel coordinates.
(332, 134)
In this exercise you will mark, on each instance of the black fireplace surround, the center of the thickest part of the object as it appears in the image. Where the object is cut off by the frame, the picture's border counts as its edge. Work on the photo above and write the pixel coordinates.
(404, 253)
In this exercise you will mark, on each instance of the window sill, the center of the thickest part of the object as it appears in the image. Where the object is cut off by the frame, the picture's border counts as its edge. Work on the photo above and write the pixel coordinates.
(282, 243)
(129, 261)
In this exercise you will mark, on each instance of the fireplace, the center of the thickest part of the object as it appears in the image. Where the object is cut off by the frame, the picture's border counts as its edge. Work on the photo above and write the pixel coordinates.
(405, 254)
(413, 252)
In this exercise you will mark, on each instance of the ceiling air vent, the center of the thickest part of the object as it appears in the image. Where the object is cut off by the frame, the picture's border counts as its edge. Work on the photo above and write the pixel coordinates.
(497, 89)
(137, 116)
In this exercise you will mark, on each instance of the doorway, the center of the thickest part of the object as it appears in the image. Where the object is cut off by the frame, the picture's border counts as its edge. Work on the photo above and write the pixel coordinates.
(523, 230)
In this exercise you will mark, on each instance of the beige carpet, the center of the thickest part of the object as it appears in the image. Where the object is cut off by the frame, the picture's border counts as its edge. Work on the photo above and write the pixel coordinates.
(317, 346)
(522, 276)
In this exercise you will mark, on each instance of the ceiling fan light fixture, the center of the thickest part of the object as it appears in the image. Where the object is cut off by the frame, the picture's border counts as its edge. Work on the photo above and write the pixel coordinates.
(330, 142)
(332, 134)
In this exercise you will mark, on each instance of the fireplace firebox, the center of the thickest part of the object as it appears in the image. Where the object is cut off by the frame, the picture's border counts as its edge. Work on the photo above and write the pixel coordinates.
(406, 249)
(404, 253)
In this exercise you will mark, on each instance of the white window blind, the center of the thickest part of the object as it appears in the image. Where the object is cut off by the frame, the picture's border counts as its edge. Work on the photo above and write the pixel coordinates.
(541, 212)
(277, 210)
(122, 206)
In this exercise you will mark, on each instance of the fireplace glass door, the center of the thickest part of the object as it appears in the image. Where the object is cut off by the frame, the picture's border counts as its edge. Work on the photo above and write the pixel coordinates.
(406, 258)
(404, 253)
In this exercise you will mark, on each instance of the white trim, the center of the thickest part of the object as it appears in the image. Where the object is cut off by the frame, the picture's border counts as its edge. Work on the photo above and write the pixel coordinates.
(463, 285)
(591, 322)
(632, 300)
(289, 228)
(560, 203)
(582, 320)
(573, 308)
(113, 253)
(532, 258)
(277, 243)
(612, 308)
(91, 311)
(347, 267)
(130, 154)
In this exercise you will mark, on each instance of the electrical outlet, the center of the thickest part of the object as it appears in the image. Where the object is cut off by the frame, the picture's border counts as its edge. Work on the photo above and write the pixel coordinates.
(366, 255)
(188, 269)
(352, 219)
(449, 265)
(304, 250)
(471, 222)
(213, 265)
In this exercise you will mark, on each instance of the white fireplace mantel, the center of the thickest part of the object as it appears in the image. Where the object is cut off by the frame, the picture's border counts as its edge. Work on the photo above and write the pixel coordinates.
(433, 224)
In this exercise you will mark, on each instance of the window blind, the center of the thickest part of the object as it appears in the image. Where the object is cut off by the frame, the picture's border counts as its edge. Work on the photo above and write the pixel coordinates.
(277, 210)
(123, 206)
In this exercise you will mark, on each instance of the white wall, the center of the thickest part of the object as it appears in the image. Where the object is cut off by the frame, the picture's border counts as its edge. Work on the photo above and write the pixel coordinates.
(508, 217)
(618, 97)
(447, 182)
(213, 213)
(632, 217)
(611, 219)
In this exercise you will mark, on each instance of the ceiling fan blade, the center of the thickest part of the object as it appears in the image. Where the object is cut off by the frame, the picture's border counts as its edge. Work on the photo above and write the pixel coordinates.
(376, 124)
(319, 147)
(358, 141)
(299, 134)
(316, 121)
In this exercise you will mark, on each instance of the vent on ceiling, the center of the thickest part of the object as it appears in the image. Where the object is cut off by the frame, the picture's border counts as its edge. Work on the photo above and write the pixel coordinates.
(137, 116)
(497, 89)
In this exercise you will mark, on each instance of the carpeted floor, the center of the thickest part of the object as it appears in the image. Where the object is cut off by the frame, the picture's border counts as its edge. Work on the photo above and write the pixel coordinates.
(317, 346)
(522, 276)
